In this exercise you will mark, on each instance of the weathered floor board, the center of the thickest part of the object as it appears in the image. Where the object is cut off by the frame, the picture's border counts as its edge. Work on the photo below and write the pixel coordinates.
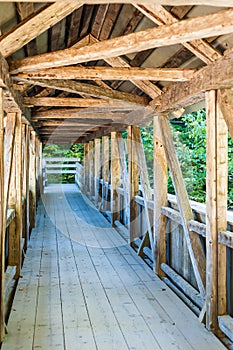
(84, 288)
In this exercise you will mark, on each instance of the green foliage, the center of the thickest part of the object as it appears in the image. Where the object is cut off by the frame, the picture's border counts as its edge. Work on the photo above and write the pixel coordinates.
(66, 151)
(189, 133)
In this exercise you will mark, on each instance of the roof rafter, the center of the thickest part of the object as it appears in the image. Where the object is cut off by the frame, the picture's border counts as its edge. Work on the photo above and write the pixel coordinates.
(34, 25)
(183, 31)
(160, 16)
(86, 89)
(112, 73)
(216, 75)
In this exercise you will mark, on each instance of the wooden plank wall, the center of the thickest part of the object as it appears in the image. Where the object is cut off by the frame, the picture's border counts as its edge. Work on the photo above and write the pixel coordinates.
(20, 157)
(174, 241)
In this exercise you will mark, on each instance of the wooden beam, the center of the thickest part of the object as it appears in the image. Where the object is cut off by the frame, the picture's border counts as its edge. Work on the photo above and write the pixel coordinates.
(183, 31)
(115, 178)
(33, 26)
(225, 97)
(133, 185)
(105, 169)
(160, 198)
(76, 102)
(193, 242)
(220, 3)
(91, 167)
(15, 236)
(32, 178)
(146, 86)
(97, 167)
(111, 73)
(86, 89)
(216, 208)
(216, 75)
(9, 140)
(160, 16)
(85, 168)
(2, 220)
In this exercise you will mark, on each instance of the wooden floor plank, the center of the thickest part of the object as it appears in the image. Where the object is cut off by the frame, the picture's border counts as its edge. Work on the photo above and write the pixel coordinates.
(84, 288)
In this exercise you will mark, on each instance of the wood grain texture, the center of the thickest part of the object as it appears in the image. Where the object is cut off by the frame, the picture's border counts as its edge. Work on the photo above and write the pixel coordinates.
(183, 31)
(73, 86)
(112, 73)
(31, 27)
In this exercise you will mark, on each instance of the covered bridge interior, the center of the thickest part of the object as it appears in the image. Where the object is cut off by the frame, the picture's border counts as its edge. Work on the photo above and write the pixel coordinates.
(83, 73)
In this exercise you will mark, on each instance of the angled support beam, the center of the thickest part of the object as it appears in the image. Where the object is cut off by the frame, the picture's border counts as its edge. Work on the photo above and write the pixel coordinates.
(216, 209)
(2, 221)
(36, 24)
(217, 75)
(183, 31)
(192, 239)
(160, 16)
(225, 97)
(73, 86)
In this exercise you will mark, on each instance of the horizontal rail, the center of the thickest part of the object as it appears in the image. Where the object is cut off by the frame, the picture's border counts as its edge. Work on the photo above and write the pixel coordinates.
(61, 171)
(61, 159)
(61, 166)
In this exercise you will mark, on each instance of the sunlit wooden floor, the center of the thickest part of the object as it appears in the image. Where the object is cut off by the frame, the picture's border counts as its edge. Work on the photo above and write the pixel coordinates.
(83, 287)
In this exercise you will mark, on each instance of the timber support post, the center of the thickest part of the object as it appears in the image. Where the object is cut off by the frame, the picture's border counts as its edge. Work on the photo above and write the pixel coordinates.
(216, 208)
(160, 197)
(115, 178)
(133, 185)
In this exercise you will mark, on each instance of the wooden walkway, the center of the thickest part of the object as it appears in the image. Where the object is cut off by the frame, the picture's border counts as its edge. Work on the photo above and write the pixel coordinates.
(83, 287)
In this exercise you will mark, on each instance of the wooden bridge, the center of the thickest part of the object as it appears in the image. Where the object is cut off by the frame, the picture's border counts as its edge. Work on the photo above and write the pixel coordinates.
(108, 262)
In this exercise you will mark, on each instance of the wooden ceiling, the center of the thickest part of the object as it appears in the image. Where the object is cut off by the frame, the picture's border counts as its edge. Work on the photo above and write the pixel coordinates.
(81, 70)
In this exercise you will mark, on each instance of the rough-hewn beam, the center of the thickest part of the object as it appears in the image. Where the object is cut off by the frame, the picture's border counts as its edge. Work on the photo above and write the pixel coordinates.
(75, 102)
(225, 3)
(112, 73)
(146, 86)
(36, 24)
(87, 89)
(183, 31)
(218, 74)
(159, 15)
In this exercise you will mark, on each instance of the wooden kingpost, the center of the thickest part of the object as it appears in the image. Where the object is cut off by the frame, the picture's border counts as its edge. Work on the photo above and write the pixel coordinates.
(15, 232)
(133, 185)
(91, 167)
(115, 177)
(25, 190)
(97, 169)
(2, 219)
(160, 197)
(105, 170)
(32, 179)
(85, 171)
(216, 208)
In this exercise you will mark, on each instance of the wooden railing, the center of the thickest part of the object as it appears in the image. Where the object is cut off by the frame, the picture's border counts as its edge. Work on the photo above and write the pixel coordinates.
(178, 269)
(60, 166)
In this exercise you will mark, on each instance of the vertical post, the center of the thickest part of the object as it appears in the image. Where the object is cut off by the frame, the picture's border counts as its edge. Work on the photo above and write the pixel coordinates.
(160, 197)
(15, 200)
(97, 169)
(91, 167)
(105, 169)
(25, 190)
(32, 179)
(134, 185)
(85, 164)
(2, 219)
(115, 177)
(216, 208)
